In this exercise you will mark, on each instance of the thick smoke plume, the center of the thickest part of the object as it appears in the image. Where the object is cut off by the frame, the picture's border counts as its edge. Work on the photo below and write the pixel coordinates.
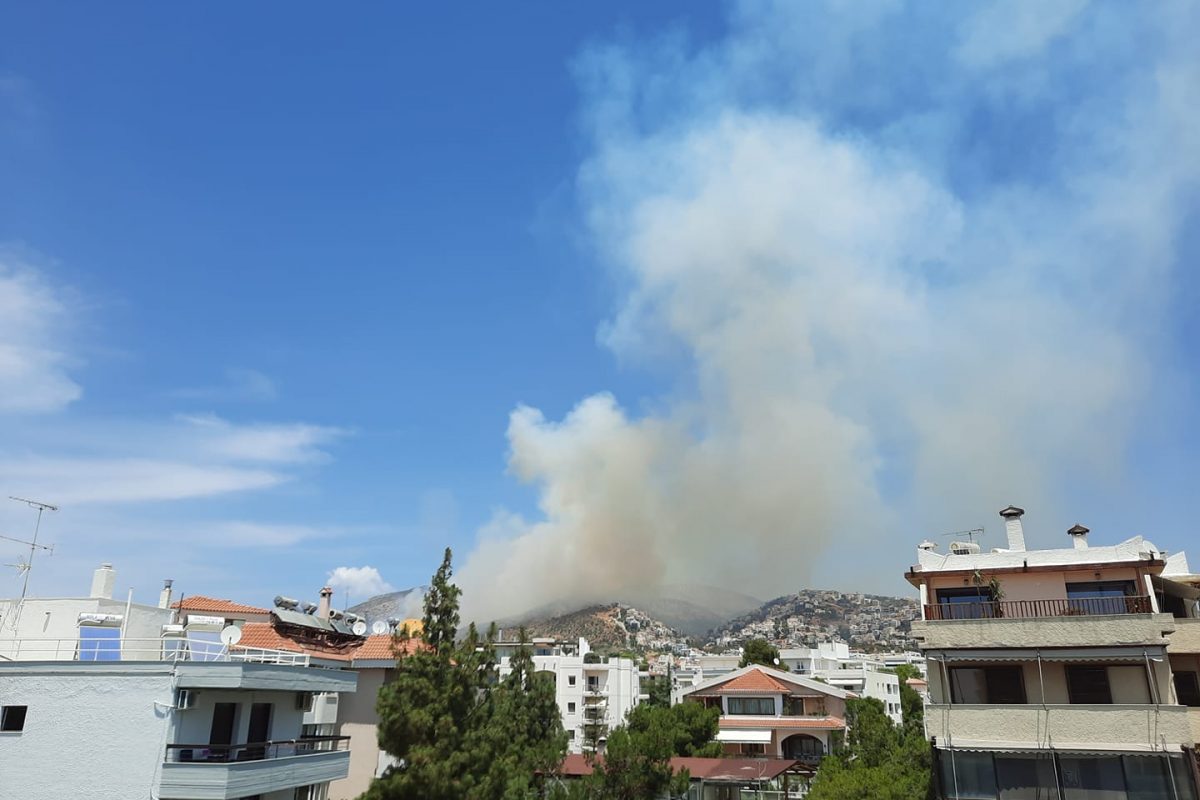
(902, 268)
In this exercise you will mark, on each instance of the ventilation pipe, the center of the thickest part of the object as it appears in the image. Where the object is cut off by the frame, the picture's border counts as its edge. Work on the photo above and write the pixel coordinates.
(326, 604)
(103, 581)
(1078, 535)
(1012, 527)
(164, 597)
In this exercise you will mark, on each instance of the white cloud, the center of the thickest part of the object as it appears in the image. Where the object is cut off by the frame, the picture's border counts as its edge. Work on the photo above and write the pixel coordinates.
(264, 442)
(359, 582)
(240, 385)
(33, 360)
(872, 341)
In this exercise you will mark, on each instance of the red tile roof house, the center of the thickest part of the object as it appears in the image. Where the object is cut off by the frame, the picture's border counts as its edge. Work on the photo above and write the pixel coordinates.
(714, 778)
(773, 714)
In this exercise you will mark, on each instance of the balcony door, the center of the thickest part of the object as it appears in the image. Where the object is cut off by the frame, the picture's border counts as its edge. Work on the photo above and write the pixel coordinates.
(259, 731)
(1100, 597)
(973, 602)
(220, 735)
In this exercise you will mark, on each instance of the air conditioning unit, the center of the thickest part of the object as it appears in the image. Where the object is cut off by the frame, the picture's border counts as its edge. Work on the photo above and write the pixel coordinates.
(184, 699)
(304, 701)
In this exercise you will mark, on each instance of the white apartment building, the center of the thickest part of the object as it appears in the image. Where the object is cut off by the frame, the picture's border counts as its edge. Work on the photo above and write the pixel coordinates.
(859, 673)
(594, 695)
(1051, 671)
(109, 699)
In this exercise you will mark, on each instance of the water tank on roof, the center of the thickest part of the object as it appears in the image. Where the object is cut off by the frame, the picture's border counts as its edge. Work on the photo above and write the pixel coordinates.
(964, 548)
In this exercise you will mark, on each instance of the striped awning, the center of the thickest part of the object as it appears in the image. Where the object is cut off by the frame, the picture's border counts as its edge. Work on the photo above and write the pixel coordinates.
(1106, 654)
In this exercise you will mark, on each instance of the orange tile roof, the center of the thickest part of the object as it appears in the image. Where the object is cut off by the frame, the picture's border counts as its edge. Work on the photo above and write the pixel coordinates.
(823, 723)
(198, 602)
(754, 681)
(380, 646)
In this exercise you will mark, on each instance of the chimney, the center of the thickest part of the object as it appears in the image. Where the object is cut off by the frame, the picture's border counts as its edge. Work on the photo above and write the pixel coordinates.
(326, 604)
(1078, 535)
(1012, 527)
(164, 599)
(103, 581)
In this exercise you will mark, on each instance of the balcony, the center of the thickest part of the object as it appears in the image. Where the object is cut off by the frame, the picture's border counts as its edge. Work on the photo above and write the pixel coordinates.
(1037, 609)
(173, 649)
(1075, 622)
(223, 772)
(1107, 727)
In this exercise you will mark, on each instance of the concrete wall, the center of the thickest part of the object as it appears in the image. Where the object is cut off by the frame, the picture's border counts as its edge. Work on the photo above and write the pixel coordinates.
(98, 736)
(357, 719)
(193, 726)
(1092, 631)
(1091, 727)
(1186, 638)
(58, 618)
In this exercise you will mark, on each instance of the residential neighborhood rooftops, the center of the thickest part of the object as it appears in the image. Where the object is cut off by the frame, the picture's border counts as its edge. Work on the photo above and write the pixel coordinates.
(757, 679)
(729, 770)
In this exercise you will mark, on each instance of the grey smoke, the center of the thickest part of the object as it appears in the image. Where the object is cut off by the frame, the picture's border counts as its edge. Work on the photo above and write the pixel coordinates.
(872, 338)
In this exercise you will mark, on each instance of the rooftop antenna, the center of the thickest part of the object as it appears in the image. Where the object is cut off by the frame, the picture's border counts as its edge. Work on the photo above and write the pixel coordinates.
(26, 566)
(970, 534)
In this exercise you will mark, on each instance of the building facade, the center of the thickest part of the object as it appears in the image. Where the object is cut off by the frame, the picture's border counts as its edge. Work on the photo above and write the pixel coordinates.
(767, 713)
(1049, 671)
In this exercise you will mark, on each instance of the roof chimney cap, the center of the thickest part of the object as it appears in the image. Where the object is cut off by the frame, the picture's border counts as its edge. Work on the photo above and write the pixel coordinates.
(1011, 511)
(1078, 530)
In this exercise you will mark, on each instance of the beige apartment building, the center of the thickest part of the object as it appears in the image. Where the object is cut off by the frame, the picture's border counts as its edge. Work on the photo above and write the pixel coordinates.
(1066, 673)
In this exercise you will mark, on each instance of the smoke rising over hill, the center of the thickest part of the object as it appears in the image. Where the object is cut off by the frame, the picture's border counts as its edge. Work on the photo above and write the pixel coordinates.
(904, 268)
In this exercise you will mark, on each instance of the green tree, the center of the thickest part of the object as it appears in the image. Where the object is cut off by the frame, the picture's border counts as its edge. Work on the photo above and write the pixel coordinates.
(912, 707)
(693, 727)
(759, 651)
(879, 762)
(457, 732)
(636, 763)
(658, 689)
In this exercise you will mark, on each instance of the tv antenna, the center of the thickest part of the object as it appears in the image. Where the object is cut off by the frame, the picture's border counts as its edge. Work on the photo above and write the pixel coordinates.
(970, 534)
(26, 566)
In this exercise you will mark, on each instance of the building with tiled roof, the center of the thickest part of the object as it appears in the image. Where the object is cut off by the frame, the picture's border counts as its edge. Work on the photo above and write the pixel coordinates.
(217, 607)
(767, 712)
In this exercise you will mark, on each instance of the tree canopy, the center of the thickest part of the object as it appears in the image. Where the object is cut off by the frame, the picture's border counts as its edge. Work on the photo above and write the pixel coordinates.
(459, 732)
(759, 651)
(881, 761)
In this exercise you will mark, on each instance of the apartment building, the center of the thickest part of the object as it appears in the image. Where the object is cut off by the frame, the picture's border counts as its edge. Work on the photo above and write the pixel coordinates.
(594, 695)
(773, 714)
(1051, 673)
(112, 699)
(859, 673)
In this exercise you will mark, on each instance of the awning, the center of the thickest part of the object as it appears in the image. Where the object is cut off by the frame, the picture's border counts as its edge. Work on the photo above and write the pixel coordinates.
(744, 737)
(1108, 654)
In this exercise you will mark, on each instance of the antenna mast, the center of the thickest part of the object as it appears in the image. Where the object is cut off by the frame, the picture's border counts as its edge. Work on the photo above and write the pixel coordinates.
(27, 566)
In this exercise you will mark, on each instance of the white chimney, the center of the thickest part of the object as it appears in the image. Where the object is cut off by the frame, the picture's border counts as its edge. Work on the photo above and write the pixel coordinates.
(1012, 527)
(1078, 535)
(326, 605)
(164, 599)
(103, 581)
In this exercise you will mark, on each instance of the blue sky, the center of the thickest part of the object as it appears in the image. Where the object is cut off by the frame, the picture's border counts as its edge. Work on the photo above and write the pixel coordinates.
(796, 278)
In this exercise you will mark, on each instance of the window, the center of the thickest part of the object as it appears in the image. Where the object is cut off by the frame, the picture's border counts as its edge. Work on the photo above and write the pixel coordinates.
(570, 708)
(570, 680)
(1187, 688)
(571, 735)
(1100, 597)
(99, 643)
(754, 749)
(12, 718)
(1088, 778)
(1088, 685)
(762, 706)
(966, 603)
(968, 775)
(987, 685)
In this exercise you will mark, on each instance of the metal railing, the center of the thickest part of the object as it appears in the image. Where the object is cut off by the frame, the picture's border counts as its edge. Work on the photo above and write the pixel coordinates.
(1029, 609)
(254, 751)
(171, 649)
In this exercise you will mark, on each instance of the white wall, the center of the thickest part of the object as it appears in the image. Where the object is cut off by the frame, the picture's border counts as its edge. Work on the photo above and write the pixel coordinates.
(194, 725)
(97, 736)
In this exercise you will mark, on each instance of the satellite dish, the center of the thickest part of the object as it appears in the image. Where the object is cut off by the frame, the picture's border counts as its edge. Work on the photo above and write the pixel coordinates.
(379, 628)
(231, 635)
(359, 628)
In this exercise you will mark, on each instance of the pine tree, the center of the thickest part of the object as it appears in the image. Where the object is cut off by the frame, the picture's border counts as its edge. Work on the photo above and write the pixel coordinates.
(456, 731)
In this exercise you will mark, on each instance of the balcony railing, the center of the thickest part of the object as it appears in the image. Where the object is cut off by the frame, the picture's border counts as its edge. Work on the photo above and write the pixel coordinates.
(173, 649)
(1030, 609)
(253, 751)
